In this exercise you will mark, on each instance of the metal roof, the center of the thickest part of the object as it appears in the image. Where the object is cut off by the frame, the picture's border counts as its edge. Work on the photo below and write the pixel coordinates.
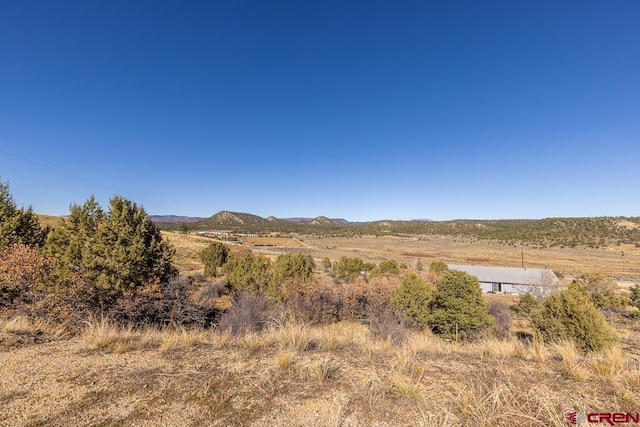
(511, 275)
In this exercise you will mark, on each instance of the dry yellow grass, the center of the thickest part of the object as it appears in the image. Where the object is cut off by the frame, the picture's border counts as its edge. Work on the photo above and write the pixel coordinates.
(292, 374)
(280, 242)
(49, 220)
(20, 330)
(615, 261)
(188, 248)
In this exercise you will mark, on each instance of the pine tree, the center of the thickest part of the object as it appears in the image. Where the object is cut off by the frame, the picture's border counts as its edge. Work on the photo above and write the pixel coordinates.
(299, 267)
(460, 311)
(213, 257)
(412, 300)
(571, 315)
(18, 226)
(348, 268)
(248, 273)
(114, 252)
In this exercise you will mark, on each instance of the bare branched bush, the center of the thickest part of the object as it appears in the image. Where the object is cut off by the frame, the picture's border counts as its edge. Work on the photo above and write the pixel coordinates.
(501, 312)
(385, 324)
(68, 307)
(249, 313)
(332, 302)
(313, 303)
(210, 290)
(22, 268)
(166, 304)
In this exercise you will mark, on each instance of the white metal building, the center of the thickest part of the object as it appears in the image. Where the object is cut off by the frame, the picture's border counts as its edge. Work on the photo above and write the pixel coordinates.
(510, 280)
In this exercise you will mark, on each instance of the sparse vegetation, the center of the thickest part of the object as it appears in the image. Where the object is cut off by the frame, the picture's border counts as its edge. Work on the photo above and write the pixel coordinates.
(595, 232)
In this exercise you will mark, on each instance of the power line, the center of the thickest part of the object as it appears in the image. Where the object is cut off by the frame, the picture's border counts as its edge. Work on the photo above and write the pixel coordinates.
(56, 170)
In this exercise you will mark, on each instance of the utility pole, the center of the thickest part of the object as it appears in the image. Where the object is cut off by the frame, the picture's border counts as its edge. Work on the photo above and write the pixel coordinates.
(523, 259)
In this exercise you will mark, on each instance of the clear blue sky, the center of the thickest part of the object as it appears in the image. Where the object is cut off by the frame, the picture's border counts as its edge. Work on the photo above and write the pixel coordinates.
(356, 109)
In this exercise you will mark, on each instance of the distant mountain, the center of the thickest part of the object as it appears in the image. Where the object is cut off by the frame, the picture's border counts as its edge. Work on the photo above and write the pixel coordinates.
(236, 218)
(593, 232)
(174, 219)
(297, 220)
(227, 219)
(323, 220)
(319, 220)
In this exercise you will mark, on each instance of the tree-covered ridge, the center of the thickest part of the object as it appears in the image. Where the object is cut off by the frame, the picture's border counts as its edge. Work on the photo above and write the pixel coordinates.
(548, 232)
(568, 232)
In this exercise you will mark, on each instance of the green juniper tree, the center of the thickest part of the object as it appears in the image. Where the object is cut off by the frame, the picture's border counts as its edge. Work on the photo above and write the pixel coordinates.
(17, 225)
(113, 252)
(570, 314)
(386, 267)
(438, 268)
(248, 273)
(412, 300)
(460, 311)
(603, 291)
(348, 268)
(213, 257)
(299, 267)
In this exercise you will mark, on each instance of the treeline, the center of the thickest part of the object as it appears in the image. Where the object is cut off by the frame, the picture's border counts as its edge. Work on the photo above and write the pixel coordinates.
(549, 232)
